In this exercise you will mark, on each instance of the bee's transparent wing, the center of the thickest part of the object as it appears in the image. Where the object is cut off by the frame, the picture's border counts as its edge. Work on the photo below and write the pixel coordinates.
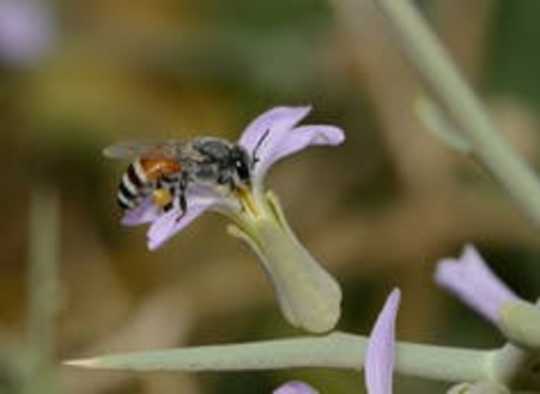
(147, 149)
(125, 150)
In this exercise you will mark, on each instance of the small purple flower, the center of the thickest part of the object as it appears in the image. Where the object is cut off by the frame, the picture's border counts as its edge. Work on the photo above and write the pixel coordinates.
(295, 387)
(471, 280)
(380, 354)
(26, 31)
(283, 139)
(309, 296)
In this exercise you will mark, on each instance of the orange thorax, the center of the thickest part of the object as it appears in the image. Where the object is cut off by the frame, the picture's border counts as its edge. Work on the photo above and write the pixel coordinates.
(156, 168)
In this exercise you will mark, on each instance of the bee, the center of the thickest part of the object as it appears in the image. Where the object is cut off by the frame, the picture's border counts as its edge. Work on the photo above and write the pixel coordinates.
(164, 170)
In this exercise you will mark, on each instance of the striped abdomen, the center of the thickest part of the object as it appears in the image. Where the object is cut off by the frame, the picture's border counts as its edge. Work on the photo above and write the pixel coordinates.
(141, 177)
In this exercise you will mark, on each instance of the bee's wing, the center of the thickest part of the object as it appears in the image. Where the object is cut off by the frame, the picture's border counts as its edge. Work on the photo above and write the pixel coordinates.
(155, 149)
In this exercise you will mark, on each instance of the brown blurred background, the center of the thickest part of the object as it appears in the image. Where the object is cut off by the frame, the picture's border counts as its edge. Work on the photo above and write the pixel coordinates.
(378, 211)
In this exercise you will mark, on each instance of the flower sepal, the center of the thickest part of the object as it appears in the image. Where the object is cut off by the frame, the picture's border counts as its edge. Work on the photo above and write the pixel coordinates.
(309, 297)
(520, 323)
(478, 388)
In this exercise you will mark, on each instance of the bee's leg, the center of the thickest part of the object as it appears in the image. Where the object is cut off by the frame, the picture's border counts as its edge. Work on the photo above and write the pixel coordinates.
(183, 205)
(182, 201)
(225, 179)
(232, 185)
(170, 205)
(162, 194)
(165, 182)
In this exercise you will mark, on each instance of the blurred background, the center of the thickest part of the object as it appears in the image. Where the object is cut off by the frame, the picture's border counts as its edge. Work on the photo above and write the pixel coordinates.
(378, 211)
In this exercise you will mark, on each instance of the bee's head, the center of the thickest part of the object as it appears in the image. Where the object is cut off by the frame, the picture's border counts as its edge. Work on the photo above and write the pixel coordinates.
(241, 162)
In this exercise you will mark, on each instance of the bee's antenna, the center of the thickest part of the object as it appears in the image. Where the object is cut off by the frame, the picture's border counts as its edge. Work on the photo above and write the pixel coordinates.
(257, 146)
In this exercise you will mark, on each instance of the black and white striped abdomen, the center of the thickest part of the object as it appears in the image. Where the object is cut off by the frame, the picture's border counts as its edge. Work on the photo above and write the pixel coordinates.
(133, 186)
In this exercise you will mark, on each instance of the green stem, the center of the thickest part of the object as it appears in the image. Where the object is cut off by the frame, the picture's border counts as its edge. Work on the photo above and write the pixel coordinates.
(43, 290)
(444, 81)
(337, 350)
(438, 124)
(515, 367)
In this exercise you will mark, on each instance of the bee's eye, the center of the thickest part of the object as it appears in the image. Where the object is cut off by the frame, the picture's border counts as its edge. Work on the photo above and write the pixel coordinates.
(242, 169)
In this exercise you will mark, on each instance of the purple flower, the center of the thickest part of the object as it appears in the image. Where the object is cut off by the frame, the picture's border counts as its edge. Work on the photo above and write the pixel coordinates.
(283, 139)
(309, 296)
(26, 31)
(471, 280)
(380, 354)
(295, 388)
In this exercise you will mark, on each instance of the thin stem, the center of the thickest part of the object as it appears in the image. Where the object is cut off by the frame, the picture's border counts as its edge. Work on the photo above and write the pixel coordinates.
(444, 81)
(515, 367)
(438, 124)
(43, 289)
(337, 350)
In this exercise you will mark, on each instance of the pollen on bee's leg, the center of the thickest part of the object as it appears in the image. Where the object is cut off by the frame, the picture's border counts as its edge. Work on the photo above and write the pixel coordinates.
(162, 198)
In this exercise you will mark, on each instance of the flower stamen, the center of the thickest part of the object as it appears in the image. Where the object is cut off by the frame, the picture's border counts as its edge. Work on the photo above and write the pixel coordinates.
(245, 196)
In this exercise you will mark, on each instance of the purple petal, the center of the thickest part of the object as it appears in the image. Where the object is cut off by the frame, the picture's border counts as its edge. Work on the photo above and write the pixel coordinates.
(278, 120)
(146, 212)
(309, 135)
(380, 354)
(471, 280)
(273, 136)
(295, 388)
(167, 225)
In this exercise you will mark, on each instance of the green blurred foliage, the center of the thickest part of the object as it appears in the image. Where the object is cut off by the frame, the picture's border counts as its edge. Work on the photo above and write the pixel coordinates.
(514, 58)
